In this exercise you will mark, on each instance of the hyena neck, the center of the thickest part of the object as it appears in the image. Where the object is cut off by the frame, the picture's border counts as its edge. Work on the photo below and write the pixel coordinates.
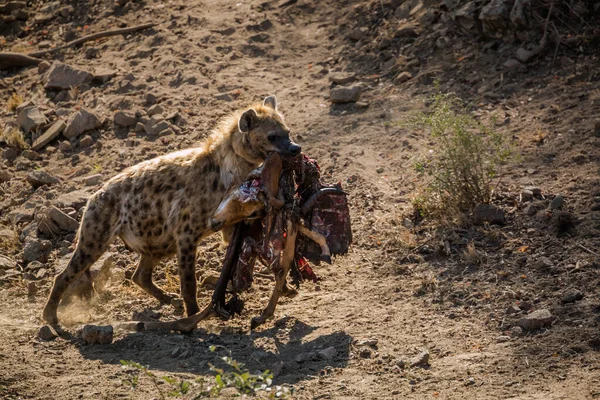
(234, 160)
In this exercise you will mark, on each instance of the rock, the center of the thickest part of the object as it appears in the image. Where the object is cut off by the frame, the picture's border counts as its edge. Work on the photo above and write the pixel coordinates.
(176, 352)
(31, 288)
(81, 122)
(124, 118)
(512, 310)
(63, 76)
(365, 352)
(46, 333)
(571, 296)
(465, 16)
(406, 32)
(5, 176)
(420, 360)
(65, 146)
(177, 303)
(156, 125)
(30, 231)
(139, 128)
(400, 363)
(534, 189)
(41, 178)
(342, 78)
(517, 15)
(94, 334)
(102, 75)
(75, 199)
(536, 320)
(526, 195)
(346, 94)
(36, 249)
(357, 34)
(488, 213)
(92, 180)
(43, 67)
(223, 97)
(361, 105)
(597, 128)
(155, 109)
(63, 221)
(30, 118)
(502, 339)
(327, 354)
(260, 355)
(512, 64)
(557, 202)
(371, 342)
(524, 55)
(7, 263)
(9, 154)
(494, 15)
(402, 77)
(530, 210)
(86, 141)
(50, 134)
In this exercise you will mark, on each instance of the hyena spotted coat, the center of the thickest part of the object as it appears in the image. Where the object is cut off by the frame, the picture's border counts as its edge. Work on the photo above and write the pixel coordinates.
(162, 206)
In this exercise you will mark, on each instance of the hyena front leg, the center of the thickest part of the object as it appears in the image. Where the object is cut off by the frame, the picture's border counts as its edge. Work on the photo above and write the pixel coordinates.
(186, 254)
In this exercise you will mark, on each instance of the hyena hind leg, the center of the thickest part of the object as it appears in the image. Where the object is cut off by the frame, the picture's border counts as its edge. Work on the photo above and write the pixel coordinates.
(143, 278)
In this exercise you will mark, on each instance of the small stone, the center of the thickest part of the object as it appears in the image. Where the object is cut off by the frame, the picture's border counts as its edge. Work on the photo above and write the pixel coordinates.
(81, 122)
(557, 202)
(488, 213)
(346, 94)
(176, 352)
(86, 141)
(534, 189)
(63, 221)
(420, 360)
(361, 105)
(536, 320)
(50, 134)
(63, 76)
(513, 310)
(155, 109)
(406, 32)
(402, 77)
(401, 363)
(5, 176)
(380, 170)
(512, 64)
(156, 128)
(46, 333)
(9, 154)
(524, 55)
(357, 34)
(35, 249)
(327, 354)
(125, 118)
(342, 78)
(371, 342)
(103, 75)
(75, 199)
(177, 303)
(94, 334)
(43, 67)
(530, 210)
(31, 288)
(223, 97)
(150, 98)
(526, 195)
(7, 263)
(571, 296)
(92, 180)
(65, 146)
(30, 118)
(41, 178)
(502, 339)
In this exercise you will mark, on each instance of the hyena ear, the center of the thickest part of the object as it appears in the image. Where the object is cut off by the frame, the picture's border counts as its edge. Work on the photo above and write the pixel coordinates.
(248, 120)
(270, 101)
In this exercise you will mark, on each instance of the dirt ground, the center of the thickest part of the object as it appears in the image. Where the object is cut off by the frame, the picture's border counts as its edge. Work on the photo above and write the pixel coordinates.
(399, 287)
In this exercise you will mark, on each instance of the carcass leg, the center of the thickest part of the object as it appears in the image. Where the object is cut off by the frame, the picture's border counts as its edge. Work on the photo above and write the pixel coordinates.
(280, 276)
(318, 239)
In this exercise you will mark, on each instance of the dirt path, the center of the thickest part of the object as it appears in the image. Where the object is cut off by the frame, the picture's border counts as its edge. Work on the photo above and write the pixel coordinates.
(207, 58)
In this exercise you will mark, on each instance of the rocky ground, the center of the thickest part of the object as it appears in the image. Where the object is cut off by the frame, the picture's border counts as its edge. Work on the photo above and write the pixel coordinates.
(418, 309)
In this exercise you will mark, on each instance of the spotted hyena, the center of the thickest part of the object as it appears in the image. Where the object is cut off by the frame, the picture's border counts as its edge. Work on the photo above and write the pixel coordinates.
(162, 206)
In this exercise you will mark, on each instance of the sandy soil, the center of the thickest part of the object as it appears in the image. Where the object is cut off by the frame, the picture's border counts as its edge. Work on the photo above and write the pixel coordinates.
(205, 59)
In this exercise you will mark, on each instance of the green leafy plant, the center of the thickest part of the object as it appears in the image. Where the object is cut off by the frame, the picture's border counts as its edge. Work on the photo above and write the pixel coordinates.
(464, 163)
(237, 377)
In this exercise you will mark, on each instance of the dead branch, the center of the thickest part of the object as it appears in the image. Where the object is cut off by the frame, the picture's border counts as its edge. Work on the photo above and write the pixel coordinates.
(12, 60)
(93, 36)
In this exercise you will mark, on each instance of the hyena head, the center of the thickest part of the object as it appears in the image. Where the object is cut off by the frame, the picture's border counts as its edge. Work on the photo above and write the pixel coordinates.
(265, 131)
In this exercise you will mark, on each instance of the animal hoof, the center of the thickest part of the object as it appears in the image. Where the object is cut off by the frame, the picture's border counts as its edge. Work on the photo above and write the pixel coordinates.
(326, 259)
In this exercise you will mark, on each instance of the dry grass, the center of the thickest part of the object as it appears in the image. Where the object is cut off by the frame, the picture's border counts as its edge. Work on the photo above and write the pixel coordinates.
(14, 101)
(14, 138)
(471, 254)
